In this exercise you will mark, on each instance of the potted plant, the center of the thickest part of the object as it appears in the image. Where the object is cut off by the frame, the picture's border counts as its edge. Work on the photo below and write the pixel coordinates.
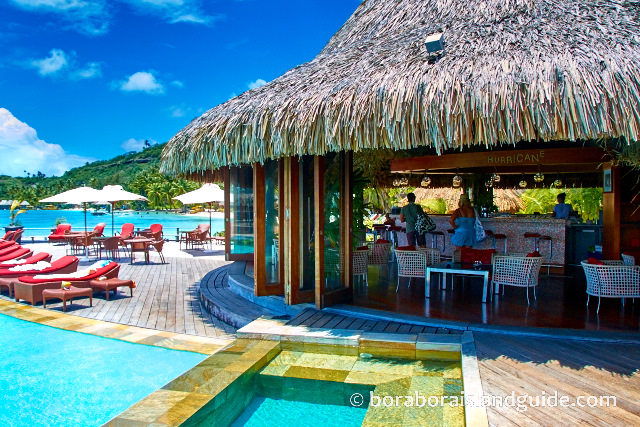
(14, 211)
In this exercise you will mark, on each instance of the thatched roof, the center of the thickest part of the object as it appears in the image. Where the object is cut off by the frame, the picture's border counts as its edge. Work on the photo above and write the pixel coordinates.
(514, 70)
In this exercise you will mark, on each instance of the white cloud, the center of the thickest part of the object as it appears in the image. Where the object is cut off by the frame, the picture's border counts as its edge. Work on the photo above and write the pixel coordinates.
(174, 10)
(52, 64)
(179, 111)
(177, 83)
(256, 84)
(61, 64)
(133, 144)
(86, 16)
(142, 81)
(91, 70)
(21, 149)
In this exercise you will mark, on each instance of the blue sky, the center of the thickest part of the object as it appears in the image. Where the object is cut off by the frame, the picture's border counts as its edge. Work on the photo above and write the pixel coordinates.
(91, 79)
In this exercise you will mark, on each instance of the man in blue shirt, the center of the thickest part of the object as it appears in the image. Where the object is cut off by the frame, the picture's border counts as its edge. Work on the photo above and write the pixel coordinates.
(562, 209)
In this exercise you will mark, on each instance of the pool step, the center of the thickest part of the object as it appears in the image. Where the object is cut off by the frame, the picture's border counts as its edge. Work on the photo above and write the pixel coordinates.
(217, 298)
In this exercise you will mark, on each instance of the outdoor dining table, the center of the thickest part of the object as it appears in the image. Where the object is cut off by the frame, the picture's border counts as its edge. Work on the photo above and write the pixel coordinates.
(457, 268)
(145, 241)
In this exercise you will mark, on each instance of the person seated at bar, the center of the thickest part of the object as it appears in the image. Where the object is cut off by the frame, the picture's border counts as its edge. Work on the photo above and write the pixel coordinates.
(562, 209)
(463, 221)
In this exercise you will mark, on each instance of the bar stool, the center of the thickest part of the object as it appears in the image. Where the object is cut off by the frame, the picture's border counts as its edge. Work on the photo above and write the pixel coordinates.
(435, 240)
(550, 240)
(380, 232)
(497, 236)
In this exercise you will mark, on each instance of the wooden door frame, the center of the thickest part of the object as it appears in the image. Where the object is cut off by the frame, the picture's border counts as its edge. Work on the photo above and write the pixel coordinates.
(261, 287)
(344, 294)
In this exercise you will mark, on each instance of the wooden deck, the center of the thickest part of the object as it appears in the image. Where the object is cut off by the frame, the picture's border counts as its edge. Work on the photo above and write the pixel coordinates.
(534, 366)
(165, 298)
(312, 318)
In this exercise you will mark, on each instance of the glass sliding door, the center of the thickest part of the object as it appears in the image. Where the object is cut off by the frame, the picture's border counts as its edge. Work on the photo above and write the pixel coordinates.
(272, 172)
(332, 218)
(240, 218)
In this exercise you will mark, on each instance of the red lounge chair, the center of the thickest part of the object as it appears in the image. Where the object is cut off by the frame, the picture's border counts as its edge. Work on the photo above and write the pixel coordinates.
(41, 256)
(19, 253)
(66, 264)
(30, 288)
(60, 232)
(99, 229)
(7, 236)
(9, 249)
(6, 244)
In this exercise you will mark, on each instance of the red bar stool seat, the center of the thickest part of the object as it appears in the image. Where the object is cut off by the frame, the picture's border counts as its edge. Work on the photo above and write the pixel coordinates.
(497, 236)
(535, 237)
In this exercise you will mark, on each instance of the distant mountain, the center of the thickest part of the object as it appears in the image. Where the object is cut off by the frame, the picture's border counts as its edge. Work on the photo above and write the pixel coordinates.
(118, 170)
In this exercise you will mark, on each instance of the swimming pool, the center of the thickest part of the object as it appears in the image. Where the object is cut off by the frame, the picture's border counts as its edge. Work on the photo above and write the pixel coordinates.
(40, 222)
(53, 377)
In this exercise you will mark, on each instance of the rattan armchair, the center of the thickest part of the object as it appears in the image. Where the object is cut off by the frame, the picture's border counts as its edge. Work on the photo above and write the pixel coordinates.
(612, 280)
(520, 271)
(411, 264)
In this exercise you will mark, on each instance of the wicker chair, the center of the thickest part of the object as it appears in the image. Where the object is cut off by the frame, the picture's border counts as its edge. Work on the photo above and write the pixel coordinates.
(111, 246)
(361, 265)
(521, 271)
(433, 255)
(411, 264)
(628, 259)
(612, 280)
(379, 254)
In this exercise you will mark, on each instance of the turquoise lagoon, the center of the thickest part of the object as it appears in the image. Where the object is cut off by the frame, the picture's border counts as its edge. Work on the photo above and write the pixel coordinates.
(40, 222)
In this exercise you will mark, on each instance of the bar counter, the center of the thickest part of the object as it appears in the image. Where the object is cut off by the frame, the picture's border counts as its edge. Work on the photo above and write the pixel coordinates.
(514, 227)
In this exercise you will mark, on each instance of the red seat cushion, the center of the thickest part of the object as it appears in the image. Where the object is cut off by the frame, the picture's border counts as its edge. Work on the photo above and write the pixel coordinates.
(362, 248)
(382, 241)
(534, 254)
(469, 255)
(406, 248)
(99, 272)
(594, 261)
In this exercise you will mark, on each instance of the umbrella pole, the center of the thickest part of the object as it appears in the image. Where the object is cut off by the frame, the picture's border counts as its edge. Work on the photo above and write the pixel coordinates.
(86, 247)
(113, 230)
(210, 237)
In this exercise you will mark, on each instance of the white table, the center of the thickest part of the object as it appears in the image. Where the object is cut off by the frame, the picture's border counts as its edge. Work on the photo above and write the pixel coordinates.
(453, 269)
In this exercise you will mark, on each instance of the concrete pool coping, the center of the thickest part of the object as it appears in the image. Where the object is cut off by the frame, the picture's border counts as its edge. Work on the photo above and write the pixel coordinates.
(215, 385)
(132, 334)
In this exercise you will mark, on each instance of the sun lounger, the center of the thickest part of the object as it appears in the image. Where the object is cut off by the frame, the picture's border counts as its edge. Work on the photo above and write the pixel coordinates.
(29, 288)
(41, 256)
(7, 243)
(18, 253)
(7, 250)
(66, 264)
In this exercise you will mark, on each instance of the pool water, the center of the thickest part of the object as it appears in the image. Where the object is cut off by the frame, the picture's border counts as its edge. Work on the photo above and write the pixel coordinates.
(53, 377)
(266, 412)
(40, 222)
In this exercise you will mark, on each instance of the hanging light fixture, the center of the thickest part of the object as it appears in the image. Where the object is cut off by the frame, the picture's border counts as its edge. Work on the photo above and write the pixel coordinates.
(396, 182)
(523, 183)
(489, 183)
(404, 181)
(539, 177)
(457, 180)
(558, 182)
(495, 177)
(426, 181)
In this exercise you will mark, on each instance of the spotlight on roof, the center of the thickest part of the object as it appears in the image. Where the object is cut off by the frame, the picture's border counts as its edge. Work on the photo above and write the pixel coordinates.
(435, 46)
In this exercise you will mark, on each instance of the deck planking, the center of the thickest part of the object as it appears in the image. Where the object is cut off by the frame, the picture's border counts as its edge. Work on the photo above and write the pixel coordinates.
(165, 298)
(527, 365)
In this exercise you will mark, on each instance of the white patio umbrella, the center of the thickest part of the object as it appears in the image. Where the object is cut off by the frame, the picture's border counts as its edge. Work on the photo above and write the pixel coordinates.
(80, 195)
(208, 193)
(115, 193)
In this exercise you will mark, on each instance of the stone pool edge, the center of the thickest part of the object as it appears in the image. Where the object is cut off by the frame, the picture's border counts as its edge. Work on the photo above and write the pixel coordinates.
(260, 341)
(131, 334)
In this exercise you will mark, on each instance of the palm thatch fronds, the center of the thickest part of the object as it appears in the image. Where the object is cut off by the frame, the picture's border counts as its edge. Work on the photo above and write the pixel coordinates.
(514, 70)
